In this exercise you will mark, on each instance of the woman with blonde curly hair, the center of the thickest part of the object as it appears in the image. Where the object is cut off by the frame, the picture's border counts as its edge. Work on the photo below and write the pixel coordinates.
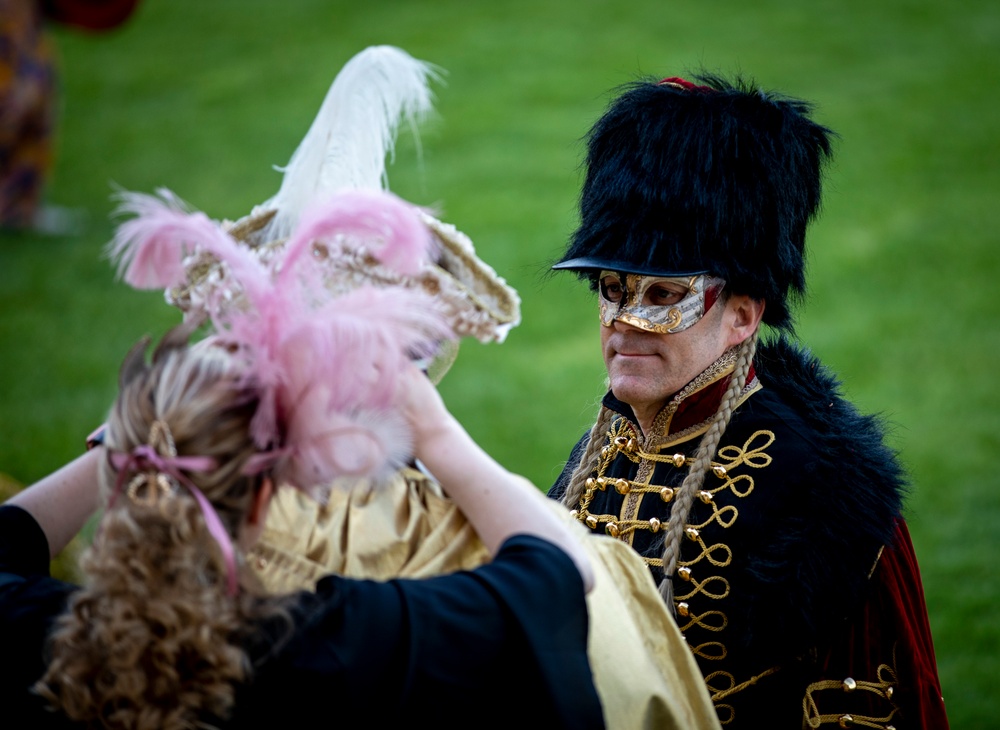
(169, 630)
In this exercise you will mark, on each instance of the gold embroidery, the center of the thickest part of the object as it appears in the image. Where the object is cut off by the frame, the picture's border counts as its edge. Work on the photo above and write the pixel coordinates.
(660, 430)
(708, 553)
(668, 440)
(725, 468)
(710, 621)
(702, 650)
(734, 688)
(702, 587)
(726, 712)
(883, 687)
(728, 473)
(725, 517)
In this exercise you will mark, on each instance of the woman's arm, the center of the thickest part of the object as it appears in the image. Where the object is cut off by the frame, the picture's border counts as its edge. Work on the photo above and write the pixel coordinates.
(62, 501)
(498, 503)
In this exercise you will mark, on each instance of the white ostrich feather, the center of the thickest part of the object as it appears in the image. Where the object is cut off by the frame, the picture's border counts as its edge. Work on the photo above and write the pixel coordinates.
(354, 132)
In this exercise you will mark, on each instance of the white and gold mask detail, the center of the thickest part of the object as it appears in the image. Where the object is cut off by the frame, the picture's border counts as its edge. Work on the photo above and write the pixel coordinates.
(664, 305)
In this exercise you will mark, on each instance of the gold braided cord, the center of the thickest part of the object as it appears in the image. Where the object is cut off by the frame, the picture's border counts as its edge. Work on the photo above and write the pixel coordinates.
(704, 587)
(621, 441)
(708, 553)
(726, 712)
(701, 620)
(883, 688)
(589, 459)
(693, 482)
(723, 694)
(702, 650)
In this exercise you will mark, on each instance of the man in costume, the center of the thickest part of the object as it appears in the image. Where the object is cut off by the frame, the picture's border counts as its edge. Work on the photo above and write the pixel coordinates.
(766, 507)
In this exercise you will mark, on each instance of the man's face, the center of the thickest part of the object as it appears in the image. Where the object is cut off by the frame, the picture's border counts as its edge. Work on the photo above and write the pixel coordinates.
(646, 368)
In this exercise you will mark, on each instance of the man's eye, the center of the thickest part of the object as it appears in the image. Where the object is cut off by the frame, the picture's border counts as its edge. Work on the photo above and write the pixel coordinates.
(612, 290)
(662, 296)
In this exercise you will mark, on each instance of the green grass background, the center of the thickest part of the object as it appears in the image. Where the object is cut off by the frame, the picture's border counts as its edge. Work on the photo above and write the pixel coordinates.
(204, 96)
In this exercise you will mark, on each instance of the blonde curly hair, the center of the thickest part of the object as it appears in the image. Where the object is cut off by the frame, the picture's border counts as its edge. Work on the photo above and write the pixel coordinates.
(153, 640)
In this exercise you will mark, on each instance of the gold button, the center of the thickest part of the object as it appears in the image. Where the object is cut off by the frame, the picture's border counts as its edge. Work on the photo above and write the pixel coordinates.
(846, 721)
(622, 486)
(630, 446)
(705, 497)
(850, 685)
(575, 514)
(679, 460)
(590, 484)
(604, 451)
(654, 524)
(620, 440)
(719, 471)
(684, 573)
(666, 494)
(591, 521)
(611, 529)
(888, 692)
(682, 609)
(691, 532)
(602, 482)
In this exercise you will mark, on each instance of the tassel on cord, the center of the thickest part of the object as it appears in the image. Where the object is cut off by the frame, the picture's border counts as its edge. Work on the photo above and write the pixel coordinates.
(353, 133)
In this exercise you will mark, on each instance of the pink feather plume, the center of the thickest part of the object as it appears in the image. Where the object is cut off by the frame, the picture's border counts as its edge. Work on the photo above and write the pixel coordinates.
(151, 247)
(327, 367)
(371, 215)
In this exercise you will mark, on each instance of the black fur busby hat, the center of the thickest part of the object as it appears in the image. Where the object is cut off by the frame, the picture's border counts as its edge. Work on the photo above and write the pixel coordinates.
(717, 177)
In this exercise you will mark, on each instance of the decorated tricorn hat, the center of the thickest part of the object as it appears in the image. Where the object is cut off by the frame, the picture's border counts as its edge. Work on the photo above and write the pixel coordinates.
(346, 147)
(717, 177)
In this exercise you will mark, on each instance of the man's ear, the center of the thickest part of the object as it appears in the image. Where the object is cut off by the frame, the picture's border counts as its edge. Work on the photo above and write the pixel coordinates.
(745, 315)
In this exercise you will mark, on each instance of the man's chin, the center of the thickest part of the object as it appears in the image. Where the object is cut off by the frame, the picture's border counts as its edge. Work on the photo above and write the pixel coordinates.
(635, 391)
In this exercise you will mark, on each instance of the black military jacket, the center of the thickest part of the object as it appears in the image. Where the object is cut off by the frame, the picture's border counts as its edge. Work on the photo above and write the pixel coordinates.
(802, 496)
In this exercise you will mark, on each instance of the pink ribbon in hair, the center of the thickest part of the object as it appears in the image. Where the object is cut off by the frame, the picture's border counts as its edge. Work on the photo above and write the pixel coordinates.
(145, 458)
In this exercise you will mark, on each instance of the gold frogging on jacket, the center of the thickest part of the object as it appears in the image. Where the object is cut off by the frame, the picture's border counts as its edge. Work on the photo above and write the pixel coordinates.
(730, 472)
(883, 687)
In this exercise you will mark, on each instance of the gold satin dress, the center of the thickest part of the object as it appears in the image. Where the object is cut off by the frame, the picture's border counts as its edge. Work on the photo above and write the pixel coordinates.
(407, 527)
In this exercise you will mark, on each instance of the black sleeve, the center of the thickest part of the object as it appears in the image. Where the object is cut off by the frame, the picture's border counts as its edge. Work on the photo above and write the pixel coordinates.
(24, 549)
(485, 648)
(29, 603)
(557, 490)
(538, 647)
